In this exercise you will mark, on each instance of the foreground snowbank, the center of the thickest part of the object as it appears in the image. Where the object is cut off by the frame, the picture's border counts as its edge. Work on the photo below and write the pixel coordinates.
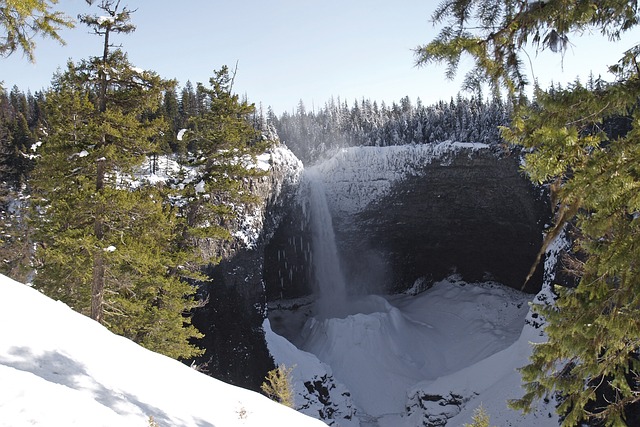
(59, 368)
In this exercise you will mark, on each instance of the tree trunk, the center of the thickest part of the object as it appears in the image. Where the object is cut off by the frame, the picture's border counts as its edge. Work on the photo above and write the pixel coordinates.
(102, 74)
(97, 285)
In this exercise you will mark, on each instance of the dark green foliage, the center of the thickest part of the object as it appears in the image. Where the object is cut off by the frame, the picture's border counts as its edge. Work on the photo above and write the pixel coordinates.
(20, 118)
(171, 112)
(108, 247)
(591, 356)
(222, 144)
(89, 212)
(595, 326)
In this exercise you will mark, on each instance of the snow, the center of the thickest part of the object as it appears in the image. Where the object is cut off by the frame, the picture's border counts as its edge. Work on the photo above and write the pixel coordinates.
(200, 187)
(59, 368)
(181, 133)
(106, 19)
(356, 176)
(427, 357)
(455, 338)
(264, 161)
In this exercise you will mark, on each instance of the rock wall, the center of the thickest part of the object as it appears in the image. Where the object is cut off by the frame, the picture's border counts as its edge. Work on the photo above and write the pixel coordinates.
(231, 320)
(409, 215)
(403, 217)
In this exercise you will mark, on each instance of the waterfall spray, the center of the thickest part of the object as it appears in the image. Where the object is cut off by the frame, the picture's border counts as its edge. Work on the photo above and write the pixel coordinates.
(329, 279)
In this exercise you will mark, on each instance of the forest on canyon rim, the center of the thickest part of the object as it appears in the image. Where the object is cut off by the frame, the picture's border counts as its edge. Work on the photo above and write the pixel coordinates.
(582, 142)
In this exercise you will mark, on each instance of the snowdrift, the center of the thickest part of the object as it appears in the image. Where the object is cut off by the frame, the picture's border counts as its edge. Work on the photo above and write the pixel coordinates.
(59, 368)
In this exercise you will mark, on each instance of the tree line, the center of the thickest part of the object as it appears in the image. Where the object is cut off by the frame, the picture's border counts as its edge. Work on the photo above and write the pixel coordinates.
(311, 134)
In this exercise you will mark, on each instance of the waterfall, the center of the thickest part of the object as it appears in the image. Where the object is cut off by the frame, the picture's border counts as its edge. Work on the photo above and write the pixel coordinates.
(329, 279)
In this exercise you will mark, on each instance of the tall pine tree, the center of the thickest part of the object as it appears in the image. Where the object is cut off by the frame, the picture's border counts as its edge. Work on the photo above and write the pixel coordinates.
(107, 242)
(222, 143)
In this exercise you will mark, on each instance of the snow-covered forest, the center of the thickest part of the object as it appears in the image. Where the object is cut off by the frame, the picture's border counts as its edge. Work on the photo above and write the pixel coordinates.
(311, 134)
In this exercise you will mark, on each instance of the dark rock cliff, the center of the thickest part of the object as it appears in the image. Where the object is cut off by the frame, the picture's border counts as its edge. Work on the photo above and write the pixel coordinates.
(454, 208)
(403, 217)
(231, 320)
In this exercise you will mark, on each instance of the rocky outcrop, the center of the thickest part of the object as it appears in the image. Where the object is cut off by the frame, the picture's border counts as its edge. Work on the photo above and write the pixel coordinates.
(231, 320)
(315, 390)
(418, 213)
(433, 410)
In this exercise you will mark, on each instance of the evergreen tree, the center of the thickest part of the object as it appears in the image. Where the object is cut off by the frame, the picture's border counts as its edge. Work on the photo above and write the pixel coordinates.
(22, 20)
(15, 247)
(188, 103)
(480, 418)
(222, 143)
(107, 247)
(592, 354)
(15, 164)
(171, 112)
(277, 386)
(18, 160)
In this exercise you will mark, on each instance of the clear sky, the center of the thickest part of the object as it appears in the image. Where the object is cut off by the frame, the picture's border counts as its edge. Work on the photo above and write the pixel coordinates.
(290, 50)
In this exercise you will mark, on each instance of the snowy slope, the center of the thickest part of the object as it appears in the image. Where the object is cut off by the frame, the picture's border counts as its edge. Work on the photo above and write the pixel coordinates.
(59, 368)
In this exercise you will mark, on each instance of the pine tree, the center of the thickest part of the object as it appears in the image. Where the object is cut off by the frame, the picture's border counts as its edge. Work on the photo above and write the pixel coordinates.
(277, 386)
(15, 164)
(480, 418)
(592, 354)
(106, 242)
(223, 143)
(171, 112)
(15, 247)
(22, 20)
(188, 103)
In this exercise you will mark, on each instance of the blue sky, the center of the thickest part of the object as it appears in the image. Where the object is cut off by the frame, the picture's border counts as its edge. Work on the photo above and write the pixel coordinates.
(290, 50)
